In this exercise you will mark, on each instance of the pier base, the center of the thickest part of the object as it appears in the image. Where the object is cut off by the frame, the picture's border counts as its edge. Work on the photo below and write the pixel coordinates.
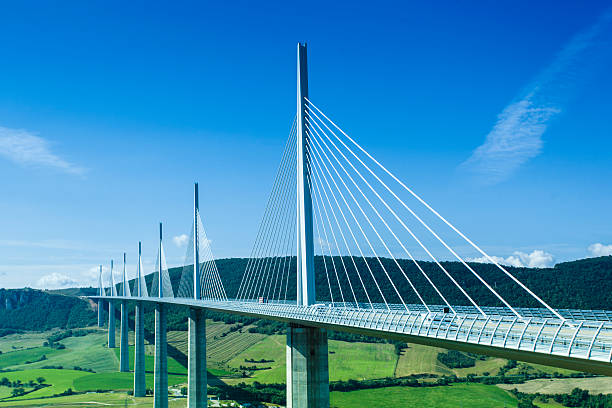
(197, 381)
(100, 313)
(111, 325)
(124, 348)
(307, 367)
(140, 387)
(160, 371)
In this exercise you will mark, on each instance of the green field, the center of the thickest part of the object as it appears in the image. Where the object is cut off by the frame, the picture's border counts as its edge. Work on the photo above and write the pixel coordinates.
(94, 399)
(119, 381)
(60, 381)
(346, 360)
(455, 396)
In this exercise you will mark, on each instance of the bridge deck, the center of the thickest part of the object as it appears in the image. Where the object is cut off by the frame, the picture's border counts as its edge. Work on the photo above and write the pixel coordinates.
(581, 344)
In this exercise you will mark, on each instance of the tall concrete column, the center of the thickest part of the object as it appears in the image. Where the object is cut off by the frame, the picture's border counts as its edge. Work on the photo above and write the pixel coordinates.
(100, 313)
(140, 386)
(197, 381)
(111, 324)
(160, 371)
(124, 348)
(307, 367)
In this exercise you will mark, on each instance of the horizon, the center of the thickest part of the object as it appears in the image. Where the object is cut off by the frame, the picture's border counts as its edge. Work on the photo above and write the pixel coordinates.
(494, 115)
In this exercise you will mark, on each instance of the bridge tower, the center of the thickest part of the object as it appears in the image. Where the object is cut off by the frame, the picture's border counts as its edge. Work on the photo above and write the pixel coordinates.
(124, 348)
(197, 381)
(140, 388)
(100, 301)
(111, 310)
(307, 364)
(160, 371)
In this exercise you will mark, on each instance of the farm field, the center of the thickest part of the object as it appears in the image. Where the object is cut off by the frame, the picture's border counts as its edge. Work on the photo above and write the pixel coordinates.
(596, 385)
(454, 396)
(87, 352)
(346, 360)
(108, 399)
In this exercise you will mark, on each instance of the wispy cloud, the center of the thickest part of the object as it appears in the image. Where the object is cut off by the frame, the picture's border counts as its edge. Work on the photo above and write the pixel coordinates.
(516, 137)
(55, 280)
(180, 240)
(535, 259)
(600, 249)
(25, 148)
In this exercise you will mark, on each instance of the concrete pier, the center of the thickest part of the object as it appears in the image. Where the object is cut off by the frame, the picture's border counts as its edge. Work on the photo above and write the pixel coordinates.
(197, 381)
(124, 348)
(100, 313)
(140, 387)
(307, 367)
(160, 371)
(111, 324)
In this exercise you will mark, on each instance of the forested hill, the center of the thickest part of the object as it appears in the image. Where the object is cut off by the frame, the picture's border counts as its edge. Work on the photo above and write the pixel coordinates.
(583, 284)
(30, 309)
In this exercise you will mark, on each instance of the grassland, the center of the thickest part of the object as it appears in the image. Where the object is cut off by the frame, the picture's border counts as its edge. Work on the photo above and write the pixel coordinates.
(93, 399)
(455, 396)
(59, 380)
(596, 385)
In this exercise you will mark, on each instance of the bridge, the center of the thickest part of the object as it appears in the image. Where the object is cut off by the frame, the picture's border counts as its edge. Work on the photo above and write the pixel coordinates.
(337, 214)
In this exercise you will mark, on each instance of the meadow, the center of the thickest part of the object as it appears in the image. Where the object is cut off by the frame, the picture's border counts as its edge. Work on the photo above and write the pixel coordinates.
(231, 350)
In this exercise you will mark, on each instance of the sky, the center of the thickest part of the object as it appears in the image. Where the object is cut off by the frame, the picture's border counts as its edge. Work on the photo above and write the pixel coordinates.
(497, 113)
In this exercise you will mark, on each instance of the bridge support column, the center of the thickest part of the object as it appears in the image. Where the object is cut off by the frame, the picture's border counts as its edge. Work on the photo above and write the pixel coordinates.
(124, 348)
(160, 372)
(307, 367)
(197, 381)
(140, 387)
(100, 313)
(111, 324)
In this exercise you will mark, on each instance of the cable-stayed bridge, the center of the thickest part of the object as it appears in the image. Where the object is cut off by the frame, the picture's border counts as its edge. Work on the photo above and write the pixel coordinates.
(336, 213)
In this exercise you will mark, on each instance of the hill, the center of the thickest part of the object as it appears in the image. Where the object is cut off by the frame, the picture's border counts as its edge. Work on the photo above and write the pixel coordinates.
(584, 284)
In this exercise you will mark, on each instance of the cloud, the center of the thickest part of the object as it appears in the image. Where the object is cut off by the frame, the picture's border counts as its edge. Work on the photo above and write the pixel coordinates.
(55, 280)
(180, 240)
(536, 259)
(600, 249)
(516, 136)
(22, 147)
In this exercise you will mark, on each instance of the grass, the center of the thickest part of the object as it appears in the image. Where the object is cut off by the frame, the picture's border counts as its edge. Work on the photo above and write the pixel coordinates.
(455, 396)
(346, 360)
(595, 385)
(14, 342)
(19, 357)
(114, 399)
(119, 381)
(418, 359)
(60, 381)
(174, 367)
(87, 352)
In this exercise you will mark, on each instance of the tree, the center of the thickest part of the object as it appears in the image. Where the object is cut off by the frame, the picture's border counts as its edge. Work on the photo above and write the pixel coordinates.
(40, 380)
(18, 391)
(184, 391)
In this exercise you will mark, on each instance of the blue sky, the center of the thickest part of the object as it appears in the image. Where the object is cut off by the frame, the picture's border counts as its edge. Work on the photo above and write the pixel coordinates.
(496, 112)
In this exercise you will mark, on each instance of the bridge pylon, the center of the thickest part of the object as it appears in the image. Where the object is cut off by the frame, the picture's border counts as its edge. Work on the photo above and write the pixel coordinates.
(160, 371)
(307, 359)
(100, 301)
(111, 310)
(197, 381)
(124, 348)
(140, 388)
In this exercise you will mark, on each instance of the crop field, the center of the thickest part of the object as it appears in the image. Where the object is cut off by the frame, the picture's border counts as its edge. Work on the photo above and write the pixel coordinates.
(59, 380)
(119, 381)
(346, 360)
(109, 399)
(455, 396)
(14, 342)
(595, 385)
